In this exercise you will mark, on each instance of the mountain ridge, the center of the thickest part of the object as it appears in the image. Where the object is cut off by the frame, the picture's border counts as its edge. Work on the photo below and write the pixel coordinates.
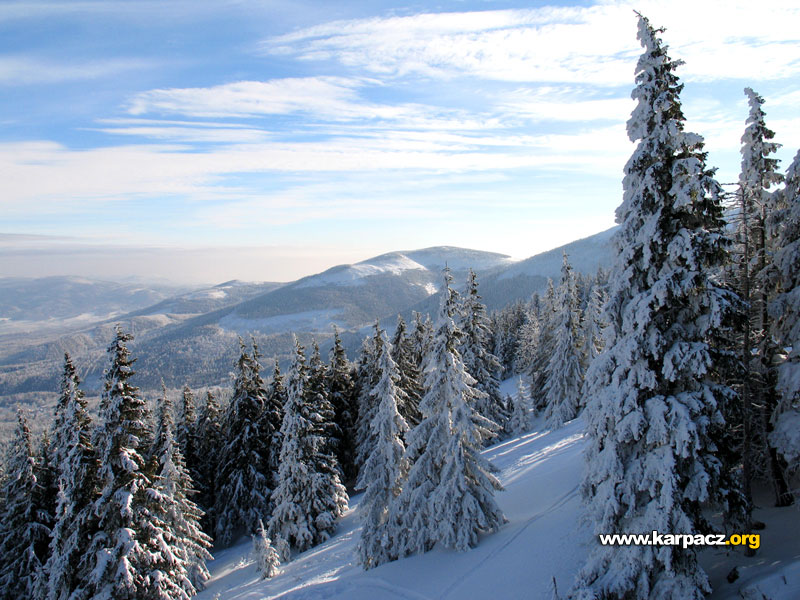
(192, 337)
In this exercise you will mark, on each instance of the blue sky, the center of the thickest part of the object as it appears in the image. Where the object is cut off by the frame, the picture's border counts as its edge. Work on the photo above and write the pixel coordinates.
(266, 140)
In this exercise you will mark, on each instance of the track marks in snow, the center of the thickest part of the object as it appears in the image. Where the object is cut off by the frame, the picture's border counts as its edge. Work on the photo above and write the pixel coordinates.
(476, 569)
(540, 471)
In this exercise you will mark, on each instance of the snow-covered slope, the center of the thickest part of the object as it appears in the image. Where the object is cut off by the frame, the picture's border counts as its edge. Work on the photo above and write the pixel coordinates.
(60, 303)
(585, 256)
(205, 300)
(543, 539)
(518, 281)
(396, 263)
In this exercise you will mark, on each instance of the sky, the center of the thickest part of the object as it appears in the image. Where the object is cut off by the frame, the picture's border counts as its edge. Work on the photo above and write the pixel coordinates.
(201, 141)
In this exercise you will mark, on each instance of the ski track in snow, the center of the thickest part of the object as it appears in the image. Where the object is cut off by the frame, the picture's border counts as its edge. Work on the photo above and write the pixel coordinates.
(540, 473)
(459, 581)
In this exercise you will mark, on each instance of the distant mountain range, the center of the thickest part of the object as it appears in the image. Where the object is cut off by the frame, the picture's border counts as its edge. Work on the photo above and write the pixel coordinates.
(191, 336)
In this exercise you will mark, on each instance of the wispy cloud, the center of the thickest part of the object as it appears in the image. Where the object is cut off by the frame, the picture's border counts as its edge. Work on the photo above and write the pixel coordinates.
(23, 70)
(191, 134)
(140, 10)
(323, 96)
(316, 100)
(577, 44)
(546, 44)
(564, 103)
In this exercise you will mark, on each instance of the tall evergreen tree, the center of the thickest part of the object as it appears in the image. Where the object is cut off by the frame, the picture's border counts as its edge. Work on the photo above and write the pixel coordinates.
(421, 339)
(291, 519)
(785, 309)
(545, 348)
(593, 325)
(209, 438)
(367, 379)
(506, 328)
(21, 532)
(180, 570)
(479, 361)
(76, 470)
(330, 495)
(404, 356)
(45, 499)
(273, 418)
(122, 559)
(759, 353)
(526, 353)
(242, 485)
(448, 496)
(563, 373)
(186, 432)
(317, 398)
(520, 420)
(655, 400)
(307, 501)
(385, 468)
(343, 395)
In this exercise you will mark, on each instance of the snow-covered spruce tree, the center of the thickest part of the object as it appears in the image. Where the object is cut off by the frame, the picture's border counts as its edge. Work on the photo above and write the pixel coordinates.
(385, 467)
(520, 420)
(342, 395)
(544, 349)
(317, 397)
(758, 352)
(76, 472)
(785, 309)
(448, 496)
(267, 560)
(209, 439)
(563, 374)
(129, 536)
(47, 488)
(484, 366)
(330, 496)
(404, 356)
(421, 339)
(528, 343)
(180, 569)
(367, 379)
(506, 326)
(306, 503)
(654, 402)
(242, 486)
(593, 326)
(45, 501)
(186, 432)
(22, 535)
(276, 400)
